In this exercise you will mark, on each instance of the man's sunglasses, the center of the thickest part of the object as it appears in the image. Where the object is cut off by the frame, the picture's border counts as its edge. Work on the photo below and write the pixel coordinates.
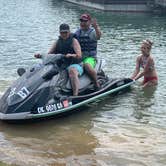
(83, 20)
(65, 32)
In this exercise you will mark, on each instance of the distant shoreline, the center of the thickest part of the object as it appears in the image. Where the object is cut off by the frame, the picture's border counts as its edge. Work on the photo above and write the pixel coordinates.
(115, 7)
(119, 6)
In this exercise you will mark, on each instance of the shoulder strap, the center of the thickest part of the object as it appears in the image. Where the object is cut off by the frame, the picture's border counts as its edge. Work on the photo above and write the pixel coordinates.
(90, 30)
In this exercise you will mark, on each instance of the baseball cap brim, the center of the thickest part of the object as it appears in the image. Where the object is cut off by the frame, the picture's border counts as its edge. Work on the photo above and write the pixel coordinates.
(64, 30)
(83, 19)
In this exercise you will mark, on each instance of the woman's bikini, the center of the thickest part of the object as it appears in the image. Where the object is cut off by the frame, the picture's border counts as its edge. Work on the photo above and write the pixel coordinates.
(143, 62)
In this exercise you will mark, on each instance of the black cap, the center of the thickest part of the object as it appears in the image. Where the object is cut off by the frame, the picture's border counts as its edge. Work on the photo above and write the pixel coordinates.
(64, 28)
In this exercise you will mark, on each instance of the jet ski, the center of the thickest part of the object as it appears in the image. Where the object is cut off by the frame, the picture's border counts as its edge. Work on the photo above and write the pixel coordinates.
(44, 90)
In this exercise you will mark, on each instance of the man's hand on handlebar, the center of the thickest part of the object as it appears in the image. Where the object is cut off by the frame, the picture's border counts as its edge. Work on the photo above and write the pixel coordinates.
(38, 55)
(70, 55)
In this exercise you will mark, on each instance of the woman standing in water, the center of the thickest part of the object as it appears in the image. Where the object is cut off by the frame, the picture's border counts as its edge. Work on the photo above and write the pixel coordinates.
(146, 61)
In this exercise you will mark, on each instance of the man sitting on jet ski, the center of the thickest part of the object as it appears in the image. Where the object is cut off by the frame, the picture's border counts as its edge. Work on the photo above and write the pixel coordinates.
(88, 34)
(70, 47)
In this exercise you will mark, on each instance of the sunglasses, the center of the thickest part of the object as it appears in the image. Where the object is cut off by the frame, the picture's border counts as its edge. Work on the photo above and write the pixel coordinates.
(83, 20)
(65, 32)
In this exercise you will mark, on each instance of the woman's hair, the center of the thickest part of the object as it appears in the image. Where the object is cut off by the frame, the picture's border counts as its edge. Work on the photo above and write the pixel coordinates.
(148, 42)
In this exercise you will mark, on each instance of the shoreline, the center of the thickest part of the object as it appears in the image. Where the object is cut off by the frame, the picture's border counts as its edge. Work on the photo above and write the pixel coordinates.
(112, 7)
(121, 6)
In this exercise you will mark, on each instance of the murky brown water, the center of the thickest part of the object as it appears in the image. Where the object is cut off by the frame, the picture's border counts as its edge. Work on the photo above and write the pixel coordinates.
(123, 130)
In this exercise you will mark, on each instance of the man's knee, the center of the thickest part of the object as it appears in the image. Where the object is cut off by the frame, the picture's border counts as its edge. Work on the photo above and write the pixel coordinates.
(87, 66)
(73, 72)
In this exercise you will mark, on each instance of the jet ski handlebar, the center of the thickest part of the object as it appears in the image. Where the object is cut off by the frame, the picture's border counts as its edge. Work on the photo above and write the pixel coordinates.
(52, 58)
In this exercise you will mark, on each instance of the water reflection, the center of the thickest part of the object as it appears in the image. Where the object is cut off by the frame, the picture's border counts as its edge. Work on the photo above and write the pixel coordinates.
(52, 141)
(129, 137)
(144, 99)
(127, 129)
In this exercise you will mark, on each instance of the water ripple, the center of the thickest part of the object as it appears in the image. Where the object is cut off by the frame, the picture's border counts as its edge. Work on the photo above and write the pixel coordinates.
(120, 130)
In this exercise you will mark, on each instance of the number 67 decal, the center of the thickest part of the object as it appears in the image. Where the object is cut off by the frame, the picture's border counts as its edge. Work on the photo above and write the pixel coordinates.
(23, 93)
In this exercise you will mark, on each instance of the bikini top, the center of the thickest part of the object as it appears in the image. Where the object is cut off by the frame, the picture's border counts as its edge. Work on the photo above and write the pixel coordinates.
(143, 62)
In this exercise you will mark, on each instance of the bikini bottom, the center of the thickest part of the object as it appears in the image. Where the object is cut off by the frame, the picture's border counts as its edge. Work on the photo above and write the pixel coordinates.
(147, 79)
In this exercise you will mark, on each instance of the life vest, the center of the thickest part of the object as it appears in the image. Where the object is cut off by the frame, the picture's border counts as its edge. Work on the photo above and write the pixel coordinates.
(88, 45)
(66, 47)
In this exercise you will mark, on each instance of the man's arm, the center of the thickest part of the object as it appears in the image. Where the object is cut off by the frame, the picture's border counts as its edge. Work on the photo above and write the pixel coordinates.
(77, 49)
(52, 49)
(97, 29)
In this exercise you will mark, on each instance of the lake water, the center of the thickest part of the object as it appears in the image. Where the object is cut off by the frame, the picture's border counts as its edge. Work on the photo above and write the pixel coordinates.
(123, 130)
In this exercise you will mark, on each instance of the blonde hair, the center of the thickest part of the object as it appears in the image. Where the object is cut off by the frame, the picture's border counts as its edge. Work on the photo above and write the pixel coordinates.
(148, 42)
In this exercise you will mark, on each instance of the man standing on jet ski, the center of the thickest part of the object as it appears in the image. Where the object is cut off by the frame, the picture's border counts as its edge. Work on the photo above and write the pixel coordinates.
(87, 35)
(70, 47)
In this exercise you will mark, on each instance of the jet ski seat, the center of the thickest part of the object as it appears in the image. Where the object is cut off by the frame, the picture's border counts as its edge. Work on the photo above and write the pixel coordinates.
(84, 79)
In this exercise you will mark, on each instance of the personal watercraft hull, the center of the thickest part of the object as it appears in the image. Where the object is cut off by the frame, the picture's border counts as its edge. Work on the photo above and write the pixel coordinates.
(66, 105)
(45, 92)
